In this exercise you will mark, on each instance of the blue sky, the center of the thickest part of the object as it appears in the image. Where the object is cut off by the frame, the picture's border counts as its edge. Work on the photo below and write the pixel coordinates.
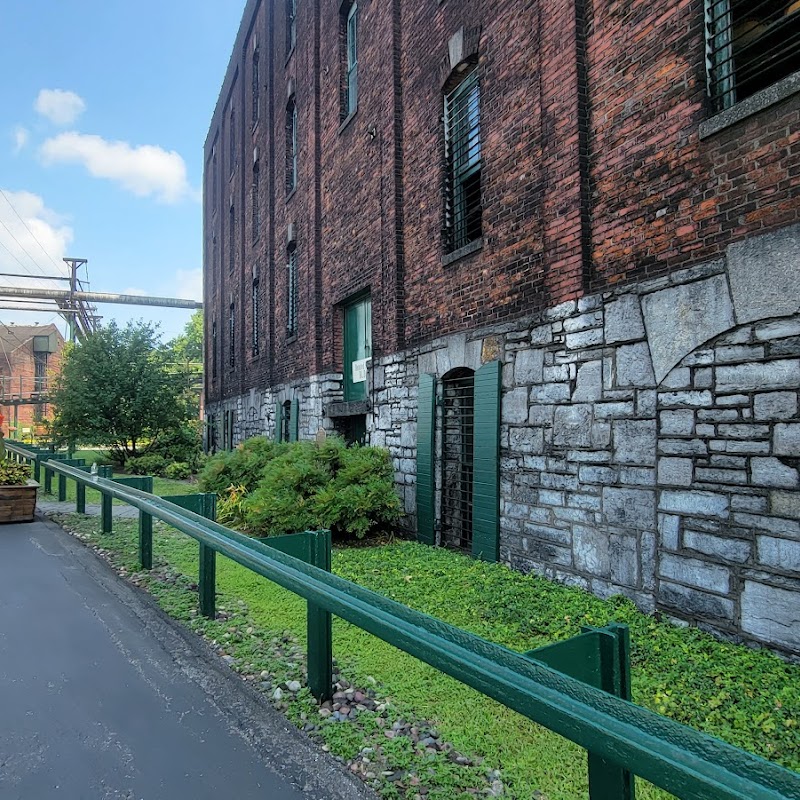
(105, 107)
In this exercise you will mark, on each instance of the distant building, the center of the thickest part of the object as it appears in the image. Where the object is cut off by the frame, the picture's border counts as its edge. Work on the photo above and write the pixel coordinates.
(548, 253)
(29, 357)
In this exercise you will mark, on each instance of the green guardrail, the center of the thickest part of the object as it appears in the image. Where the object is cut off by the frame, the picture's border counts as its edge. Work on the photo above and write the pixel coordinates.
(579, 688)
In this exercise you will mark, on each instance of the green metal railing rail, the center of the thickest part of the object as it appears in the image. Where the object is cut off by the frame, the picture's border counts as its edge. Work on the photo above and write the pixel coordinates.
(615, 732)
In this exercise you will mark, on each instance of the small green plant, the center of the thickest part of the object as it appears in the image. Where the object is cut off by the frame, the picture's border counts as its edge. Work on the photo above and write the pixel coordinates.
(230, 507)
(14, 474)
(241, 466)
(177, 471)
(151, 464)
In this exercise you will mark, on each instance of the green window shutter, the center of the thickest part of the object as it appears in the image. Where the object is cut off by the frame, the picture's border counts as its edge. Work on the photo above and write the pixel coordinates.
(426, 416)
(278, 421)
(486, 477)
(294, 419)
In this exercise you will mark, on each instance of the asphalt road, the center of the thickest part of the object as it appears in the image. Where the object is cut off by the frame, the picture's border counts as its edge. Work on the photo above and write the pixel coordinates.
(102, 696)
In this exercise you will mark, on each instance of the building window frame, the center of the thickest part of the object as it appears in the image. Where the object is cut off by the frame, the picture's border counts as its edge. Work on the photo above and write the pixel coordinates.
(349, 58)
(231, 237)
(291, 292)
(291, 26)
(213, 349)
(291, 145)
(256, 315)
(256, 201)
(232, 141)
(256, 88)
(463, 207)
(746, 53)
(232, 336)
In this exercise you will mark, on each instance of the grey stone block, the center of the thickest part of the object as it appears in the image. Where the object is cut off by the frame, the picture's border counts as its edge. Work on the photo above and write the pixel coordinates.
(637, 476)
(771, 614)
(634, 367)
(558, 536)
(694, 572)
(583, 322)
(602, 475)
(679, 422)
(614, 410)
(528, 367)
(764, 275)
(591, 551)
(515, 406)
(733, 400)
(572, 426)
(775, 405)
(781, 554)
(782, 527)
(772, 472)
(681, 318)
(786, 439)
(623, 320)
(678, 378)
(589, 382)
(723, 547)
(561, 372)
(635, 442)
(582, 339)
(526, 440)
(675, 471)
(682, 447)
(694, 603)
(668, 531)
(733, 353)
(629, 508)
(689, 399)
(550, 393)
(624, 560)
(691, 503)
(646, 402)
(757, 376)
(779, 329)
(703, 378)
(785, 504)
(542, 335)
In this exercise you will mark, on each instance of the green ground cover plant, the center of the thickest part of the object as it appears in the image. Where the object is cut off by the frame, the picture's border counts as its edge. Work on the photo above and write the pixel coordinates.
(747, 697)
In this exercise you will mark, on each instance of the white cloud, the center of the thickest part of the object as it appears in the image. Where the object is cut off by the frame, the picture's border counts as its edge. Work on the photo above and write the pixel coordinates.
(143, 170)
(189, 284)
(20, 250)
(21, 136)
(59, 106)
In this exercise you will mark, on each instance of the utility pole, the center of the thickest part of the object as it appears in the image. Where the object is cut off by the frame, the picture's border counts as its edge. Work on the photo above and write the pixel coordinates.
(74, 264)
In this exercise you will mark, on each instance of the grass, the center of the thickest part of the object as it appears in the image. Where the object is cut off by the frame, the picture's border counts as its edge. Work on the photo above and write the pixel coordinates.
(749, 698)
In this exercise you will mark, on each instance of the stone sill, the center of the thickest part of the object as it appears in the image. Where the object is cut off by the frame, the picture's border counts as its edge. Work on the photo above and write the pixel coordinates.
(770, 96)
(347, 120)
(462, 252)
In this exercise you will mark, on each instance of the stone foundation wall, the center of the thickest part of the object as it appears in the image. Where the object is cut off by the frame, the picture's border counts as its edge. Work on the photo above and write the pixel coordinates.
(650, 439)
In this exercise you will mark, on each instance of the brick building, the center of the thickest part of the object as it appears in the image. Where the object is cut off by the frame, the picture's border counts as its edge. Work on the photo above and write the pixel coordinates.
(546, 253)
(29, 356)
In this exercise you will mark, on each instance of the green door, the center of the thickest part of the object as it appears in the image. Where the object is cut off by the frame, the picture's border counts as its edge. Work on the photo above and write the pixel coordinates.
(357, 347)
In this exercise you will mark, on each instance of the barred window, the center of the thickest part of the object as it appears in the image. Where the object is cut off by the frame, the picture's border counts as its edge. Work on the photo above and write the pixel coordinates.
(291, 25)
(349, 22)
(231, 232)
(462, 138)
(232, 142)
(291, 145)
(256, 315)
(214, 350)
(232, 336)
(256, 201)
(291, 293)
(214, 178)
(256, 88)
(750, 44)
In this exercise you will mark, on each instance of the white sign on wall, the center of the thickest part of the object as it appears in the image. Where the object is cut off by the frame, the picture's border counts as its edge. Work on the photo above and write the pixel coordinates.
(360, 370)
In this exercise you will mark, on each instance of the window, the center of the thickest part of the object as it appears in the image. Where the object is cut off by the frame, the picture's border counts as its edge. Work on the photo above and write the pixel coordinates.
(39, 371)
(350, 60)
(357, 347)
(462, 137)
(291, 145)
(214, 178)
(291, 293)
(286, 421)
(256, 89)
(256, 202)
(232, 141)
(256, 314)
(749, 46)
(231, 336)
(291, 25)
(231, 248)
(214, 350)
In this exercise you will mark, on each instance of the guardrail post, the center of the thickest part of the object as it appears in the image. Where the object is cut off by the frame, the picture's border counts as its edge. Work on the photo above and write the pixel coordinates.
(146, 529)
(105, 501)
(320, 632)
(37, 469)
(207, 573)
(48, 480)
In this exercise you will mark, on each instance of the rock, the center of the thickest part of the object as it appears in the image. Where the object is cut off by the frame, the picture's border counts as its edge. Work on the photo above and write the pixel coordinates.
(325, 712)
(265, 675)
(294, 686)
(277, 694)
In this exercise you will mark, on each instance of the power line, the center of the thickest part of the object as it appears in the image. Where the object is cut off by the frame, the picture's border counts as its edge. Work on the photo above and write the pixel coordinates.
(33, 260)
(52, 261)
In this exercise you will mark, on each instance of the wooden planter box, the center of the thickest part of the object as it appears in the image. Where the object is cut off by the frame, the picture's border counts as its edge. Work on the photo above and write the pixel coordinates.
(17, 503)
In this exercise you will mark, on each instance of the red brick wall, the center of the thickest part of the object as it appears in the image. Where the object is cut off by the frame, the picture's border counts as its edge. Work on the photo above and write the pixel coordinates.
(594, 171)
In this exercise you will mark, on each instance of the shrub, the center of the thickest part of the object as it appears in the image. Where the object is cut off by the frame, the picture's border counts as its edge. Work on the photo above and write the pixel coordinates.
(180, 444)
(177, 471)
(150, 464)
(239, 467)
(14, 474)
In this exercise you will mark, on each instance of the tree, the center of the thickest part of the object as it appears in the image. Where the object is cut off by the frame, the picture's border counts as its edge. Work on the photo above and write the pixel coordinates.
(114, 389)
(188, 346)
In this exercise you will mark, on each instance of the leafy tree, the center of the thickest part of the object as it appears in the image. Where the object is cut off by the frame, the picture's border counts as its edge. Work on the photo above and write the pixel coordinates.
(114, 389)
(188, 346)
